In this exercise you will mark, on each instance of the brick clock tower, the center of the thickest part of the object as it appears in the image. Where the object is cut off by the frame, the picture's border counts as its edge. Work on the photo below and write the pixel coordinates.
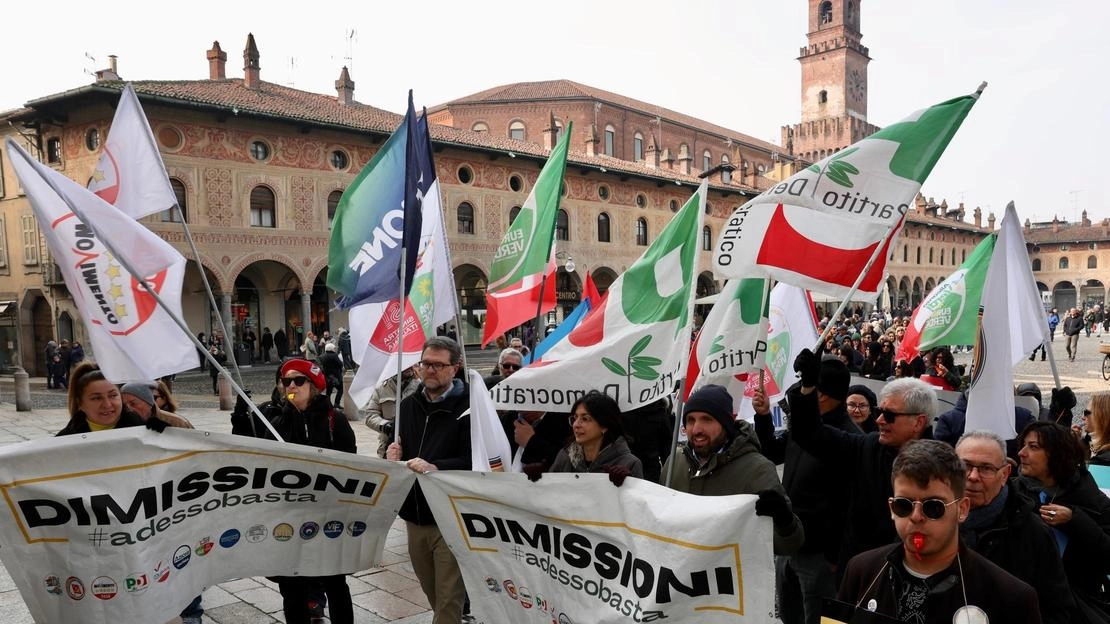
(834, 83)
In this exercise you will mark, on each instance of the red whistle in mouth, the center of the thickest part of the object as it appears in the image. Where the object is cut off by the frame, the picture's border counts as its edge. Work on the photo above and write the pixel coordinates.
(918, 543)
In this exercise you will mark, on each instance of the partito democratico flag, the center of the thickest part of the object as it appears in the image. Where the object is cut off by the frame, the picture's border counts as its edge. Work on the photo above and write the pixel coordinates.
(949, 315)
(574, 548)
(632, 346)
(733, 338)
(125, 322)
(819, 227)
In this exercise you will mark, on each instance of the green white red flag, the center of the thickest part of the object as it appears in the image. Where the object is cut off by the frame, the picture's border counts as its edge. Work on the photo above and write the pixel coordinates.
(525, 259)
(819, 228)
(949, 315)
(634, 345)
(733, 339)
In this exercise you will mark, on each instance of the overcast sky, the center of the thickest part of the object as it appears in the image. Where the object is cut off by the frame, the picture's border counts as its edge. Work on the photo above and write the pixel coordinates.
(1033, 137)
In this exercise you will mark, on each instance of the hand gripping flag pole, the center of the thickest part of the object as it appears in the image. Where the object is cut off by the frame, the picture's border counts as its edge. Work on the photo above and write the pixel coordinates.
(126, 264)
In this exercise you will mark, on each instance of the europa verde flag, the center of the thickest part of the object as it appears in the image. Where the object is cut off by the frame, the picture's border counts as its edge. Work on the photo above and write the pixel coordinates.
(634, 345)
(949, 314)
(376, 219)
(819, 228)
(525, 256)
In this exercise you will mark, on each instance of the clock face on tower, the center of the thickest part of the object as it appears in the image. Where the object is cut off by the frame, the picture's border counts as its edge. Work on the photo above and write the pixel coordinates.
(856, 89)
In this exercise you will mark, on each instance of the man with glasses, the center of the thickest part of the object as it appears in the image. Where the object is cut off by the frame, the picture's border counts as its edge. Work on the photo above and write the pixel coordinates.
(929, 576)
(805, 578)
(861, 461)
(509, 361)
(1003, 526)
(434, 435)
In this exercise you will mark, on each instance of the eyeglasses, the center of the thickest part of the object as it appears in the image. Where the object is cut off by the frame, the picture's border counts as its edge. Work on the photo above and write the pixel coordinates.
(434, 367)
(289, 381)
(986, 471)
(1086, 412)
(510, 366)
(890, 415)
(932, 508)
(859, 407)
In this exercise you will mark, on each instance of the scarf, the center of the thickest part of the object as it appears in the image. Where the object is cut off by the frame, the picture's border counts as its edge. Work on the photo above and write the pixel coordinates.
(982, 518)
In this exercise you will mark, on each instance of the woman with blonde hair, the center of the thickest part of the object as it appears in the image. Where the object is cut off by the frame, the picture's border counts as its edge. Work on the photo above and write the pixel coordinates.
(1098, 425)
(95, 403)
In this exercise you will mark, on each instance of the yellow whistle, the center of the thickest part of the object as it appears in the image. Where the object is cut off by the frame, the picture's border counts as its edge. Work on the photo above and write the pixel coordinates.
(291, 396)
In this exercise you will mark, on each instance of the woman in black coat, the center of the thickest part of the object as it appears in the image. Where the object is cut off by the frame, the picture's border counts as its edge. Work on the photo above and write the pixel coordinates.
(1053, 465)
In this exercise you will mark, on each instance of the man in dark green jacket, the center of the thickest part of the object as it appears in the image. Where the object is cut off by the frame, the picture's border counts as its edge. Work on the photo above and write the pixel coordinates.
(721, 457)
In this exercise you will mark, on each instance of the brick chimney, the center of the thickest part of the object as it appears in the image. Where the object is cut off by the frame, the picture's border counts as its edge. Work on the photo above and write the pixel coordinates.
(345, 88)
(651, 154)
(666, 159)
(990, 221)
(591, 140)
(978, 217)
(1086, 222)
(217, 61)
(111, 73)
(550, 133)
(251, 67)
(684, 159)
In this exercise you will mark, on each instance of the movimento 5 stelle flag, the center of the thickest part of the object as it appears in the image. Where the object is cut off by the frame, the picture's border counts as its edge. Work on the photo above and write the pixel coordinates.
(818, 228)
(129, 525)
(575, 548)
(632, 346)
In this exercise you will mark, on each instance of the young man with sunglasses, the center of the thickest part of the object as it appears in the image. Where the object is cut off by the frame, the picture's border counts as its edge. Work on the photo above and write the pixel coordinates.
(861, 461)
(929, 576)
(1004, 527)
(434, 435)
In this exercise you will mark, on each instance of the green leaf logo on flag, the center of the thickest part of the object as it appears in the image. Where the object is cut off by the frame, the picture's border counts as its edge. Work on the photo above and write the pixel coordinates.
(639, 366)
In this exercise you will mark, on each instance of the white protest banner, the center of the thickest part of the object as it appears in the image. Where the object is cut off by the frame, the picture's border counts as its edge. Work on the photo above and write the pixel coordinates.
(130, 525)
(576, 549)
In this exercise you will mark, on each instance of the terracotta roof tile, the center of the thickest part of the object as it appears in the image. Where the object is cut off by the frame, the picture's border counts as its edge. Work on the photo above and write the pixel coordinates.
(568, 89)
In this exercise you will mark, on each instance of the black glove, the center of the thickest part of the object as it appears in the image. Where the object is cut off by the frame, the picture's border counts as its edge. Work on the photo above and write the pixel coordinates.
(617, 474)
(534, 471)
(808, 367)
(387, 430)
(1062, 399)
(773, 504)
(155, 424)
(241, 407)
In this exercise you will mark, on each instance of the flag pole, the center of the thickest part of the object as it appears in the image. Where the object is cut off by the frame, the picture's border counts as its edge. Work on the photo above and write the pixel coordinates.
(879, 247)
(539, 314)
(451, 273)
(403, 299)
(126, 264)
(196, 254)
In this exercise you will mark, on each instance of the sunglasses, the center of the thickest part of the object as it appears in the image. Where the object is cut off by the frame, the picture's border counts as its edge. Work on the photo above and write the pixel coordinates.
(890, 415)
(510, 366)
(289, 381)
(1086, 412)
(932, 508)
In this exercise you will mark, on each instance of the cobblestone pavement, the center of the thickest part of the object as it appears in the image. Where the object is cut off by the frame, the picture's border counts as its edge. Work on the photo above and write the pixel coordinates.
(389, 593)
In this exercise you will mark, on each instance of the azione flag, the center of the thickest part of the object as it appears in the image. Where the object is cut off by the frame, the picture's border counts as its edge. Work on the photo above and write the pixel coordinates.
(377, 217)
(819, 228)
(431, 301)
(949, 315)
(1012, 326)
(525, 258)
(124, 321)
(130, 174)
(633, 346)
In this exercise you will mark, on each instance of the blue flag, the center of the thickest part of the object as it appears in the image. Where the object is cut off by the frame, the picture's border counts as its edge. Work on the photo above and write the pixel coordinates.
(376, 218)
(569, 323)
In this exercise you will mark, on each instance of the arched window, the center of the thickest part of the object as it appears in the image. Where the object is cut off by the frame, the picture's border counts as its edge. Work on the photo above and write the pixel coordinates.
(726, 175)
(963, 256)
(1092, 262)
(1036, 264)
(825, 13)
(466, 218)
(610, 140)
(603, 228)
(263, 207)
(513, 212)
(333, 205)
(480, 126)
(941, 257)
(516, 130)
(707, 238)
(822, 97)
(638, 147)
(1064, 262)
(930, 255)
(641, 232)
(562, 226)
(171, 215)
(558, 131)
(905, 253)
(706, 160)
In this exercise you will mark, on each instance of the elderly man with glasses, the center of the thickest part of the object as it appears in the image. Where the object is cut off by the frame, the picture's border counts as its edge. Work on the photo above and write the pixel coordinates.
(434, 435)
(1004, 527)
(509, 361)
(861, 461)
(930, 576)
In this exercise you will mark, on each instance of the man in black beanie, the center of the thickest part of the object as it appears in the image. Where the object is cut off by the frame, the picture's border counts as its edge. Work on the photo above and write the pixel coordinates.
(805, 578)
(721, 457)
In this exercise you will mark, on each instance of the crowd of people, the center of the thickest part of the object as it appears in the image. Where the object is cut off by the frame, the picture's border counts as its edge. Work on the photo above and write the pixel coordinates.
(883, 503)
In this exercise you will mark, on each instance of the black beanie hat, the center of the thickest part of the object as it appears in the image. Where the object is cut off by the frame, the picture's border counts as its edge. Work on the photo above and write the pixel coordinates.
(865, 392)
(715, 401)
(834, 379)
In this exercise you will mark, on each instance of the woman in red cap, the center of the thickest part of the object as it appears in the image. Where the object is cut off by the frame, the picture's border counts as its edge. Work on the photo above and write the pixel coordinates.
(304, 415)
